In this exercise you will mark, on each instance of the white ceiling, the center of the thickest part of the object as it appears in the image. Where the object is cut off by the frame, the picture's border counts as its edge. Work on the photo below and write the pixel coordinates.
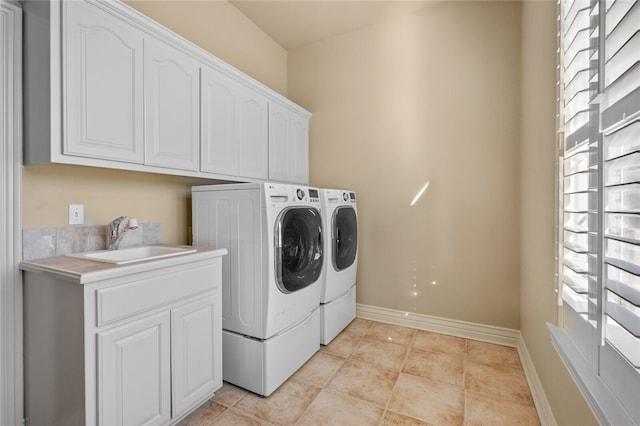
(295, 23)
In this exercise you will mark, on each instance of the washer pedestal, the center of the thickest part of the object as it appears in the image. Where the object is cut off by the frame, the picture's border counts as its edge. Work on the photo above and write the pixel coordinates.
(261, 366)
(336, 315)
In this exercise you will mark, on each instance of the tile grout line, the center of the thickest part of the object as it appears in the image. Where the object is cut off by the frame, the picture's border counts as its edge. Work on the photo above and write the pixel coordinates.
(518, 370)
(328, 382)
(406, 356)
(323, 387)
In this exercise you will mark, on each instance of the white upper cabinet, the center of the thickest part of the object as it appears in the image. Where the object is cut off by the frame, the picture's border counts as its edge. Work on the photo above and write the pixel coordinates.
(106, 86)
(103, 73)
(172, 107)
(220, 123)
(254, 143)
(234, 127)
(299, 166)
(280, 141)
(288, 145)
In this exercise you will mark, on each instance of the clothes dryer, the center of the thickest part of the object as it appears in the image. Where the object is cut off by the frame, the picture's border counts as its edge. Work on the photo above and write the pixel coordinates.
(272, 277)
(338, 298)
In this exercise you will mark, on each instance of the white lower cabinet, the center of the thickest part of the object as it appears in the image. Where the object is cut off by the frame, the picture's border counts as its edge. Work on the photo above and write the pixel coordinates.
(163, 364)
(196, 354)
(134, 386)
(143, 348)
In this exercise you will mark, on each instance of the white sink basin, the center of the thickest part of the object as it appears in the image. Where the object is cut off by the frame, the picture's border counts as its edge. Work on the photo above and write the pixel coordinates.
(134, 254)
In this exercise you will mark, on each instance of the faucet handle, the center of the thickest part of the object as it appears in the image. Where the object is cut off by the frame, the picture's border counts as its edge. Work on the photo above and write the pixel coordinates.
(114, 225)
(117, 231)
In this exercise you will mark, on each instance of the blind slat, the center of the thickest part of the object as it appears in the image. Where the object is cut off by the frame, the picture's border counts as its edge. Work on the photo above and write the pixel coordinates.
(622, 142)
(624, 312)
(623, 341)
(622, 170)
(625, 284)
(616, 13)
(623, 60)
(623, 32)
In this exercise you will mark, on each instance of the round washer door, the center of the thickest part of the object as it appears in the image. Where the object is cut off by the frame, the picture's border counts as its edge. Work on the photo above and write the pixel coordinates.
(345, 237)
(298, 254)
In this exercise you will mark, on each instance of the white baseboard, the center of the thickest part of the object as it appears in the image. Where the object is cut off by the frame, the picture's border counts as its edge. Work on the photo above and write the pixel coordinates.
(474, 331)
(467, 330)
(537, 391)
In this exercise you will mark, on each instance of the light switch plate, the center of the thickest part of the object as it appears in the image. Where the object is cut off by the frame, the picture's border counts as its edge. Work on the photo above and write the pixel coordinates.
(76, 214)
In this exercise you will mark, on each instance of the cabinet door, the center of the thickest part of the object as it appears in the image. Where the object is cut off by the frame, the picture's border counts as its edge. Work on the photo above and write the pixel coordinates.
(254, 140)
(299, 167)
(220, 123)
(102, 69)
(172, 107)
(288, 145)
(196, 352)
(133, 380)
(279, 142)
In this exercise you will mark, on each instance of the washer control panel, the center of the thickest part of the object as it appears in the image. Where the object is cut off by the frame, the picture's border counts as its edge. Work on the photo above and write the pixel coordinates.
(311, 195)
(314, 195)
(283, 193)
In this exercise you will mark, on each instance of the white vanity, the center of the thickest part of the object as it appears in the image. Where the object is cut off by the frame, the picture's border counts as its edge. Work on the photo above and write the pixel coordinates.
(109, 344)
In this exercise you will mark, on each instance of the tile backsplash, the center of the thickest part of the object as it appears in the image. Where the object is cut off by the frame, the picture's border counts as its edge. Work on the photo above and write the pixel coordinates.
(45, 242)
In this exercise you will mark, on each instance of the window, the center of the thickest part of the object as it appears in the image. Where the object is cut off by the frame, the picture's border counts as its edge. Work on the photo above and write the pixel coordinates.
(598, 333)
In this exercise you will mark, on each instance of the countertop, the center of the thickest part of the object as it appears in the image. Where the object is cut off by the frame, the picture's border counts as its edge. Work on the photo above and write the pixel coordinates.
(85, 271)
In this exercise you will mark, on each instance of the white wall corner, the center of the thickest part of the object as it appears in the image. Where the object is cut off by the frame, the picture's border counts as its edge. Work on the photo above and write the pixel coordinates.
(474, 331)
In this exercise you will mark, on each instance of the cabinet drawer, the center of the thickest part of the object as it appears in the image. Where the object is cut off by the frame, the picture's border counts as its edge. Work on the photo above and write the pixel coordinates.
(120, 301)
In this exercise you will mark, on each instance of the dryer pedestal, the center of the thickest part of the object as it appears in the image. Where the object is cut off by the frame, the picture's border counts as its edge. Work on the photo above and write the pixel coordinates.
(336, 315)
(261, 366)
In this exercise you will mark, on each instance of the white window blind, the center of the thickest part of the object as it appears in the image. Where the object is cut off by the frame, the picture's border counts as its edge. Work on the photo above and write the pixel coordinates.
(599, 326)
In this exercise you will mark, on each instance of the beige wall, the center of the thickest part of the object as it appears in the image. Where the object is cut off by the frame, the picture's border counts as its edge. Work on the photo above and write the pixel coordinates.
(48, 189)
(537, 297)
(433, 97)
(106, 194)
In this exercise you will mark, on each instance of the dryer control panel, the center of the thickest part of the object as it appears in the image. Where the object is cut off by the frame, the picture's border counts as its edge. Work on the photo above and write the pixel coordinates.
(338, 196)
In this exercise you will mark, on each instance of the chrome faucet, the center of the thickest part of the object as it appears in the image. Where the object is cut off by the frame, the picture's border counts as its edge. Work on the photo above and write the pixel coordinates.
(116, 234)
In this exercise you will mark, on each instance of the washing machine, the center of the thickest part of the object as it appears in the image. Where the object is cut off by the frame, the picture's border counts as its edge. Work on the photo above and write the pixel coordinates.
(338, 298)
(271, 279)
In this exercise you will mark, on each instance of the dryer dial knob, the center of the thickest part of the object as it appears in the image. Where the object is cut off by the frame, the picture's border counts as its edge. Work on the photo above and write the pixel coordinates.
(300, 194)
(345, 196)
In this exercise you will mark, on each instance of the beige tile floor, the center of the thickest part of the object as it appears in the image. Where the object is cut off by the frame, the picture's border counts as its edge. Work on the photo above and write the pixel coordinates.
(381, 374)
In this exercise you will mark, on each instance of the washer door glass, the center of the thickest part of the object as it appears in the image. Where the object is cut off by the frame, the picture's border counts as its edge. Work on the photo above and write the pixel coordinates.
(298, 248)
(345, 237)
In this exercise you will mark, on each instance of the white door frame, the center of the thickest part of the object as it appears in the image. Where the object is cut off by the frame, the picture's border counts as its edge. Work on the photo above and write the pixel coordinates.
(11, 350)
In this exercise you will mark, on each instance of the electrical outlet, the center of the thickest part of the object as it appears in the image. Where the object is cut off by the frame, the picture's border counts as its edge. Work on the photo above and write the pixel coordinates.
(76, 214)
